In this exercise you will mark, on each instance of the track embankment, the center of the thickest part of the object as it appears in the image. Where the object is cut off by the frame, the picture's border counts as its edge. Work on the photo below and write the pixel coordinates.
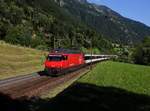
(36, 84)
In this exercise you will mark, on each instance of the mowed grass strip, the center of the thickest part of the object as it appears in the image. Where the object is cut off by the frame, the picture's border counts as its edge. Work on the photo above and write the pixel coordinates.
(17, 60)
(135, 78)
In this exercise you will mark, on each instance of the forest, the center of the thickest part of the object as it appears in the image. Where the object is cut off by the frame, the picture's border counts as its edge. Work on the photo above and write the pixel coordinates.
(29, 24)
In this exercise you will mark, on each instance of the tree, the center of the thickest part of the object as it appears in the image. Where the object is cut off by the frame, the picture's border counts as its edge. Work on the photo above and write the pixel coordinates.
(141, 55)
(19, 35)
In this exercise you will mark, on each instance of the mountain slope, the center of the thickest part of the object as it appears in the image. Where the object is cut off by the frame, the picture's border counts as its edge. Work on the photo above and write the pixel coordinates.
(106, 21)
(44, 24)
(39, 23)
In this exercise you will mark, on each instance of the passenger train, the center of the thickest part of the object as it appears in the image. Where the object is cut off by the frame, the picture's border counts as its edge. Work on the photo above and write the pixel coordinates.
(60, 61)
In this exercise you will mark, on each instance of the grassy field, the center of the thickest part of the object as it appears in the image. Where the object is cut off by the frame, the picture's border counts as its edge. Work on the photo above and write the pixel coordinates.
(111, 86)
(135, 78)
(17, 60)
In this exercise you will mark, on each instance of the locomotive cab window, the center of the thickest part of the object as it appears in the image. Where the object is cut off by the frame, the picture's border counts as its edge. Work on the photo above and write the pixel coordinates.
(64, 57)
(54, 58)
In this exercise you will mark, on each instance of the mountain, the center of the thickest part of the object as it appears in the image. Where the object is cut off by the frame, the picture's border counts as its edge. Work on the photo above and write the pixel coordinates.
(106, 21)
(46, 24)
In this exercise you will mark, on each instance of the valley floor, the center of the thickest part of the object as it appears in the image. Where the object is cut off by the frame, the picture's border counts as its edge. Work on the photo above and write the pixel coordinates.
(110, 86)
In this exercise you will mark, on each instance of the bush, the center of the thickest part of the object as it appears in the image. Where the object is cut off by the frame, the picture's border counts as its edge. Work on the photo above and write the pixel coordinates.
(19, 35)
(41, 47)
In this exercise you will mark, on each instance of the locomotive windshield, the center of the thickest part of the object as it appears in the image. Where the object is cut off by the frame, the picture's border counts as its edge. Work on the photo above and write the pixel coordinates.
(54, 58)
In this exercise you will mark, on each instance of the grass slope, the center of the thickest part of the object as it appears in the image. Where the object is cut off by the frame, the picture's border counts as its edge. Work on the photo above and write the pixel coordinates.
(130, 77)
(16, 60)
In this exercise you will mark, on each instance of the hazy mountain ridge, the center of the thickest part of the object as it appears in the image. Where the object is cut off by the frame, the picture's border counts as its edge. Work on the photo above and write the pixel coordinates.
(106, 21)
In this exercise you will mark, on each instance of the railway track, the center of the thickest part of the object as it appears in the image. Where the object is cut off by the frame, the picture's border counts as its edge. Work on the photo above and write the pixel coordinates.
(17, 79)
(38, 83)
(35, 84)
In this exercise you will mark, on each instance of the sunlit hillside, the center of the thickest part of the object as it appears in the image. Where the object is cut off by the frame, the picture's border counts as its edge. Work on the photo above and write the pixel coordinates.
(16, 60)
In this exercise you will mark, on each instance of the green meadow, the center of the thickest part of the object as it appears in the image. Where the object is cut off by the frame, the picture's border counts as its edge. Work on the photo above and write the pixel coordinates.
(134, 78)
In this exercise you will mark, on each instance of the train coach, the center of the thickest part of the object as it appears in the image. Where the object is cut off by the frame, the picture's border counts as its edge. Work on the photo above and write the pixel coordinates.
(92, 58)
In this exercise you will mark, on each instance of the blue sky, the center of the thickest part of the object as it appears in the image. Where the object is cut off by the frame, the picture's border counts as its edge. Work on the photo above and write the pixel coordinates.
(138, 10)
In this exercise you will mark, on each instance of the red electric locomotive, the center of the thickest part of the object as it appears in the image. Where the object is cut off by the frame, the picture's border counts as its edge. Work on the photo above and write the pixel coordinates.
(60, 61)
